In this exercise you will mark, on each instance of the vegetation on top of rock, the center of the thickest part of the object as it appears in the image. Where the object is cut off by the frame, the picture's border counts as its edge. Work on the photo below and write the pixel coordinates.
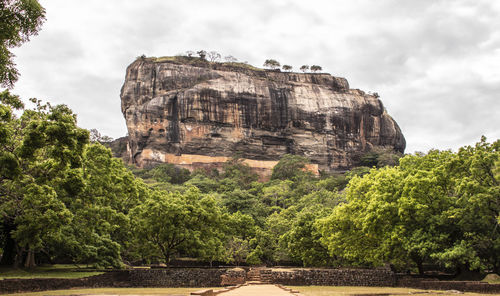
(202, 54)
(316, 68)
(197, 61)
(205, 58)
(273, 64)
(214, 56)
(230, 59)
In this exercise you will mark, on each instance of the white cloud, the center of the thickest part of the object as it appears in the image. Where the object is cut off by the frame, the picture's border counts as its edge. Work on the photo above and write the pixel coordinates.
(434, 63)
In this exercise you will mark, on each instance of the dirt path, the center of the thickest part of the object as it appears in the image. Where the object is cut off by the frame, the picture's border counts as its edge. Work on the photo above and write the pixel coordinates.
(257, 290)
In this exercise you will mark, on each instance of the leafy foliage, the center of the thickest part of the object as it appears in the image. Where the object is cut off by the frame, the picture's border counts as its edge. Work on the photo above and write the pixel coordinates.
(441, 207)
(202, 54)
(178, 223)
(273, 64)
(19, 20)
(42, 155)
(380, 157)
(316, 68)
(289, 167)
(64, 198)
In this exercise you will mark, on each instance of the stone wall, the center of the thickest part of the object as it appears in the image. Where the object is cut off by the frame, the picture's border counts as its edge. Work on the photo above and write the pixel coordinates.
(383, 277)
(108, 279)
(234, 276)
(177, 277)
(212, 277)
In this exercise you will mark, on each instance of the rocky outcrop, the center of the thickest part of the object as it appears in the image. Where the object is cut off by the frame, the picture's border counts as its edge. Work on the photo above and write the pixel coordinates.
(202, 114)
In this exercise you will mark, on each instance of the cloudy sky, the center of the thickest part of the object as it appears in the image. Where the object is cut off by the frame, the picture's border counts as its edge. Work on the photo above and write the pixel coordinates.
(435, 64)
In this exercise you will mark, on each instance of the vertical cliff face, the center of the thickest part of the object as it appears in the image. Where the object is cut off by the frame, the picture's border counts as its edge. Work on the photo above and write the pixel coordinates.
(203, 114)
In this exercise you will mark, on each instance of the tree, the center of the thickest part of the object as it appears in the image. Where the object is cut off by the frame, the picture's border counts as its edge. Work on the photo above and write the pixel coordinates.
(177, 223)
(269, 237)
(441, 207)
(273, 64)
(316, 68)
(230, 59)
(190, 53)
(239, 201)
(237, 249)
(289, 167)
(236, 169)
(303, 239)
(100, 230)
(167, 172)
(304, 68)
(96, 136)
(287, 68)
(40, 167)
(278, 194)
(204, 183)
(60, 196)
(202, 54)
(19, 20)
(380, 157)
(214, 56)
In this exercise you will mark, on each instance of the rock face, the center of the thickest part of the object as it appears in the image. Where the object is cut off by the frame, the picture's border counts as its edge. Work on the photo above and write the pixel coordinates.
(204, 113)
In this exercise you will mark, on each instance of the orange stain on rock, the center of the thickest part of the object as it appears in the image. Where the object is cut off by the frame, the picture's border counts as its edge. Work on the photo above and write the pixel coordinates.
(193, 161)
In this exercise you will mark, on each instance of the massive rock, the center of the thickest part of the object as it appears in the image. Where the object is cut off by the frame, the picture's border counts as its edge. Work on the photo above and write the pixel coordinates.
(194, 113)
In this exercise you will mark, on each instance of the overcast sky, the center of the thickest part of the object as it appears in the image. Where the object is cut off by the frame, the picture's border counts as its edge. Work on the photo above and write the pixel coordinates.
(435, 64)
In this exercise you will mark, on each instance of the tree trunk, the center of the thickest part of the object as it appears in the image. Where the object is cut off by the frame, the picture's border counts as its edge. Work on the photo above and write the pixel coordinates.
(496, 268)
(167, 259)
(18, 259)
(9, 247)
(419, 263)
(420, 267)
(30, 259)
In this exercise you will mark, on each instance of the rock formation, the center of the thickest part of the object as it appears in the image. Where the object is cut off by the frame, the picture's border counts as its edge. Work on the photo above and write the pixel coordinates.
(193, 113)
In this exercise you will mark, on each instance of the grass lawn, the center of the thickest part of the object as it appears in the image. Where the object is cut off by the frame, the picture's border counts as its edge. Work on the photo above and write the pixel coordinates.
(334, 291)
(50, 271)
(116, 291)
(305, 290)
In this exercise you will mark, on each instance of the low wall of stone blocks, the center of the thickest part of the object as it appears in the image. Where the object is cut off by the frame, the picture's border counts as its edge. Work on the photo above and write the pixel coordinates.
(177, 277)
(381, 277)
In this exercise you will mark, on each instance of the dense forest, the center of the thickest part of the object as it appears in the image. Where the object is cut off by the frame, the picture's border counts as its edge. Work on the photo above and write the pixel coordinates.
(64, 198)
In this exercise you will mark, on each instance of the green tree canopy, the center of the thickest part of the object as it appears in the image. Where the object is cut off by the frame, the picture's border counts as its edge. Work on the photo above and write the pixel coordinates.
(440, 207)
(19, 20)
(316, 68)
(41, 160)
(273, 64)
(178, 223)
(289, 167)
